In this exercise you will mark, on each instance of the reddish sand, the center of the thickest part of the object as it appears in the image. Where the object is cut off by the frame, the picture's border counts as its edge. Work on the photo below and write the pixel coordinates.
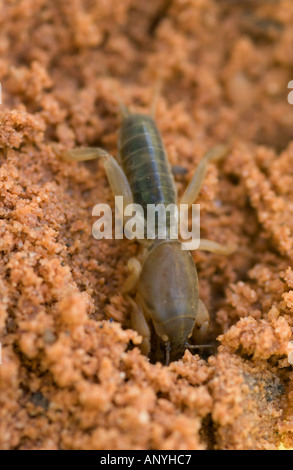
(72, 375)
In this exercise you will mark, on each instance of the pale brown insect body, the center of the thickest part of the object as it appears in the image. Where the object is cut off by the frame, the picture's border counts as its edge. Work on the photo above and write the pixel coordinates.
(168, 293)
(167, 302)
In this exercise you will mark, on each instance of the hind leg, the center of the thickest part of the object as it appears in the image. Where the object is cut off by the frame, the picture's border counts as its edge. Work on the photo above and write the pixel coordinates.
(115, 174)
(193, 189)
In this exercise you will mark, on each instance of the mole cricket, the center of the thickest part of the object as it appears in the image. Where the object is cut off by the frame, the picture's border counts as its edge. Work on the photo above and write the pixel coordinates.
(167, 310)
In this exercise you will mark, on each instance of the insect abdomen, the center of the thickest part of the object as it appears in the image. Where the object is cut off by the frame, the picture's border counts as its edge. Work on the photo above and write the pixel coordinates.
(144, 161)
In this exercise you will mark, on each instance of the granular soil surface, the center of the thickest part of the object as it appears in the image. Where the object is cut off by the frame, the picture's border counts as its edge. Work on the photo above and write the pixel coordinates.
(72, 375)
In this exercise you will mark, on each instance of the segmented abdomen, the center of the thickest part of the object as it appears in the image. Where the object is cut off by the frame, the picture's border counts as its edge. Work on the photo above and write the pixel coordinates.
(144, 161)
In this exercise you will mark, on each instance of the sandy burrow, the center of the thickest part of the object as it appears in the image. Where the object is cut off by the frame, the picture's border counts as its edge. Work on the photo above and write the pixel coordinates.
(72, 375)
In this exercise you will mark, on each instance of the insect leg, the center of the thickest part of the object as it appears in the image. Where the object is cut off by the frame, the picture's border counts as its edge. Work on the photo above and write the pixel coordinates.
(116, 176)
(191, 192)
(134, 268)
(217, 248)
(201, 323)
(139, 324)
